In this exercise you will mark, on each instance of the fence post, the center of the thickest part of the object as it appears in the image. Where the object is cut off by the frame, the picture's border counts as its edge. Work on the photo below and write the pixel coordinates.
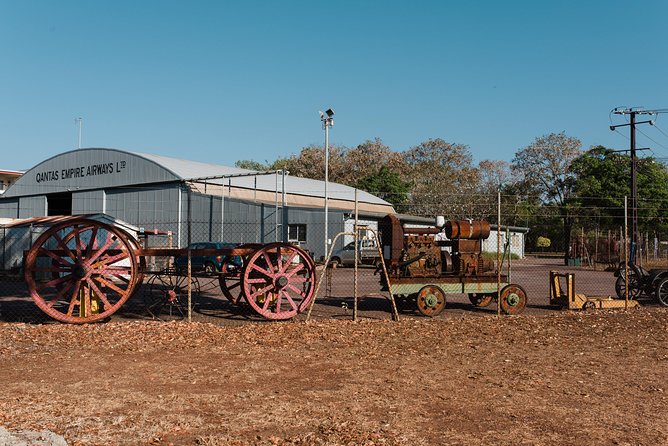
(498, 254)
(190, 221)
(626, 254)
(356, 241)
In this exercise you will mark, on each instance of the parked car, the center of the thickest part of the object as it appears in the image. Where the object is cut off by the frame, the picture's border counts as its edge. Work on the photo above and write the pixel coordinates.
(209, 263)
(367, 254)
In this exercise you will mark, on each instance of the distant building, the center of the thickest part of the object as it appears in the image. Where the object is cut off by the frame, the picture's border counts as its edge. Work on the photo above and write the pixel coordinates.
(7, 178)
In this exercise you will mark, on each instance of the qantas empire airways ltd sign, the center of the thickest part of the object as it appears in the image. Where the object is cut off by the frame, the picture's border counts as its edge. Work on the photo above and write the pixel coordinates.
(80, 172)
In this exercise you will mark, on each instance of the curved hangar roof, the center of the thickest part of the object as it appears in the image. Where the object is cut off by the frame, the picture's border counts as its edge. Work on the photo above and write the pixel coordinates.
(94, 168)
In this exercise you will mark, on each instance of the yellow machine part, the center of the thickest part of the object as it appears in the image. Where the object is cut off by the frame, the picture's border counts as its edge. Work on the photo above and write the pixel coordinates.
(95, 304)
(567, 297)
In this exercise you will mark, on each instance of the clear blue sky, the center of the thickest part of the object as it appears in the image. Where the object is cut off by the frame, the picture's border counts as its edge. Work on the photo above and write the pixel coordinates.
(221, 81)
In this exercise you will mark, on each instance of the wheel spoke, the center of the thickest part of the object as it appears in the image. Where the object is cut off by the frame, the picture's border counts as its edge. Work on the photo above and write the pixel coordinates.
(111, 260)
(256, 267)
(103, 249)
(291, 302)
(259, 291)
(267, 301)
(52, 269)
(288, 261)
(113, 270)
(64, 246)
(235, 284)
(77, 244)
(89, 248)
(54, 282)
(297, 269)
(270, 264)
(60, 294)
(100, 294)
(110, 284)
(74, 298)
(54, 256)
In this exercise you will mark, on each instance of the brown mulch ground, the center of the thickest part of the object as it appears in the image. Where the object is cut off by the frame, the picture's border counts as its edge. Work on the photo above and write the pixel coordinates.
(566, 378)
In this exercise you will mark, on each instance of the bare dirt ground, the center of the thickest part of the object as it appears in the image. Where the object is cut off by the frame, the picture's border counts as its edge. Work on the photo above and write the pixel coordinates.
(554, 379)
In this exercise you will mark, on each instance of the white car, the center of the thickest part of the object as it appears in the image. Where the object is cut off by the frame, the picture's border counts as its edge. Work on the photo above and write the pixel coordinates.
(367, 254)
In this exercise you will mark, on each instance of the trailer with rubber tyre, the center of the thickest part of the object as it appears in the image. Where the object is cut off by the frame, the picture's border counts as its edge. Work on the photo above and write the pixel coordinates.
(425, 264)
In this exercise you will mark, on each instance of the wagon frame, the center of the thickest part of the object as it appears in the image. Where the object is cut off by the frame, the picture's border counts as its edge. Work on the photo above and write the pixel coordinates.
(83, 271)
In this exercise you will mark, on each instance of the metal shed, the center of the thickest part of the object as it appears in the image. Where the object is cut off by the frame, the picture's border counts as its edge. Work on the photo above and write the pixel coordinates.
(191, 201)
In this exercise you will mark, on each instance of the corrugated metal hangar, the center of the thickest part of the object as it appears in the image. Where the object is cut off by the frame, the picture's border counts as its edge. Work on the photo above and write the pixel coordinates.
(168, 196)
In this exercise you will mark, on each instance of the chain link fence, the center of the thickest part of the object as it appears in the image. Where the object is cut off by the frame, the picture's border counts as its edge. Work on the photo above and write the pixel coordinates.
(191, 267)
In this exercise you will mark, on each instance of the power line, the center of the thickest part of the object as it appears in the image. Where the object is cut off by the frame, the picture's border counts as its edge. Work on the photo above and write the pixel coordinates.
(659, 129)
(655, 142)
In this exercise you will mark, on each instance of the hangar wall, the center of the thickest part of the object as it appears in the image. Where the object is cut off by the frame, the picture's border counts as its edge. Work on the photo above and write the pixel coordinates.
(163, 194)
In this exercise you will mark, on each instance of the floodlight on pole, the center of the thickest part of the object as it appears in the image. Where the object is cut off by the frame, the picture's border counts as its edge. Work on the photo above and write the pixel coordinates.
(327, 122)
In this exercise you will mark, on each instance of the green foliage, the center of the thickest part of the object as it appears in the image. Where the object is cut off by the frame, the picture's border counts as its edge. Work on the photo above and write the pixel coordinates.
(543, 242)
(603, 180)
(251, 165)
(386, 184)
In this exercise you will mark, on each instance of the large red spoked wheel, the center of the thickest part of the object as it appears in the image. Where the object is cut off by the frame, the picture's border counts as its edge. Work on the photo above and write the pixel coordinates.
(279, 281)
(81, 271)
(513, 299)
(230, 277)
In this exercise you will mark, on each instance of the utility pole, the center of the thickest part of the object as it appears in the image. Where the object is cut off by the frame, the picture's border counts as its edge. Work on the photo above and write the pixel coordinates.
(632, 112)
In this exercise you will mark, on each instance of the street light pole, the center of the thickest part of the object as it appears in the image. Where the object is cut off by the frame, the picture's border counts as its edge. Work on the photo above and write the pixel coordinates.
(327, 121)
(79, 122)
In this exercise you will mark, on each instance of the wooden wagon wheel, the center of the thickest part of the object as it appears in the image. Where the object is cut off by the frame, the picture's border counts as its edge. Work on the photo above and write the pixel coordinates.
(279, 281)
(513, 299)
(81, 271)
(141, 261)
(430, 300)
(166, 296)
(230, 280)
(481, 299)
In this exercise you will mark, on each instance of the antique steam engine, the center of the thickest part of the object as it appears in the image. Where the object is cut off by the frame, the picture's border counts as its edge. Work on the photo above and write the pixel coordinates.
(425, 264)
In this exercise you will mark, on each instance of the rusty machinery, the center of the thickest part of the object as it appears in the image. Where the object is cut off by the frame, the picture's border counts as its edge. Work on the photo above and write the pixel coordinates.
(83, 271)
(426, 264)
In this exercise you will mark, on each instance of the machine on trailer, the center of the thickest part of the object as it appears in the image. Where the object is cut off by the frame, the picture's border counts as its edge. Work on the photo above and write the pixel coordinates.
(83, 270)
(426, 264)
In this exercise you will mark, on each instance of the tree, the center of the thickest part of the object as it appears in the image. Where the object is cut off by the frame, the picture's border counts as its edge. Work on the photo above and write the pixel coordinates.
(602, 182)
(251, 165)
(443, 179)
(386, 184)
(494, 174)
(364, 161)
(545, 172)
(310, 163)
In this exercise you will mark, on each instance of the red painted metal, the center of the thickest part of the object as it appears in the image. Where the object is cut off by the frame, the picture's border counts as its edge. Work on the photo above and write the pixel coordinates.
(279, 281)
(82, 271)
